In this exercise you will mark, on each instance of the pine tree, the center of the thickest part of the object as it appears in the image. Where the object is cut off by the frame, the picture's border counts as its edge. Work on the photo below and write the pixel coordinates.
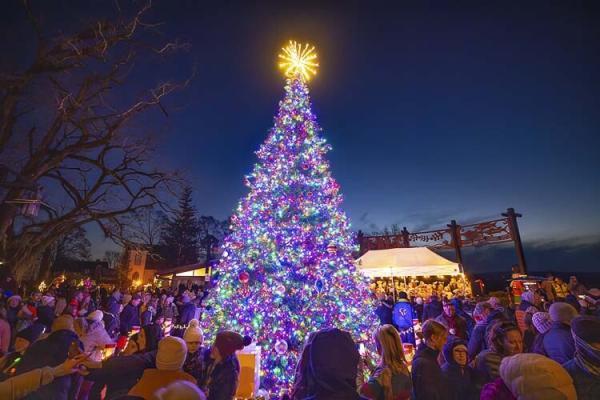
(287, 267)
(179, 239)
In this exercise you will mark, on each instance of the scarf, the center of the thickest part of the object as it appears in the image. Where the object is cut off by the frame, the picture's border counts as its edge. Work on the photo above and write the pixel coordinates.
(586, 357)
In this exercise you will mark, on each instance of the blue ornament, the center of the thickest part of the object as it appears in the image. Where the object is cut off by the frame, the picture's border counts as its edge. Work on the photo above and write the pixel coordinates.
(319, 285)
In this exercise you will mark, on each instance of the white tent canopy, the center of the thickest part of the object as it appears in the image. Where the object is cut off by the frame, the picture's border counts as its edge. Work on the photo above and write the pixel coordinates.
(412, 261)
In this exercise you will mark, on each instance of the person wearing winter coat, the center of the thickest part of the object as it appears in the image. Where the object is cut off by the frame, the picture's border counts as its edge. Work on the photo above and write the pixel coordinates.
(530, 377)
(462, 381)
(187, 312)
(327, 368)
(18, 387)
(194, 360)
(169, 363)
(584, 368)
(168, 309)
(504, 340)
(477, 341)
(391, 379)
(23, 340)
(95, 337)
(113, 304)
(145, 340)
(147, 316)
(458, 305)
(130, 316)
(542, 323)
(221, 375)
(428, 381)
(528, 299)
(455, 324)
(384, 309)
(45, 311)
(118, 374)
(52, 351)
(558, 342)
(433, 309)
(403, 315)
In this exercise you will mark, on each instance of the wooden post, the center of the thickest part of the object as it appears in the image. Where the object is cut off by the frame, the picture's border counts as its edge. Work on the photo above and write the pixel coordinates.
(456, 242)
(512, 216)
(405, 237)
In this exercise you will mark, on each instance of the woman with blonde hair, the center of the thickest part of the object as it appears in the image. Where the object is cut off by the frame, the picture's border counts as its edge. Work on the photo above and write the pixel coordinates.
(391, 379)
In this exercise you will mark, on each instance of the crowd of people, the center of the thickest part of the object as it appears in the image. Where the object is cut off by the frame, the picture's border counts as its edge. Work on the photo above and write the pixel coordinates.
(415, 288)
(546, 347)
(78, 342)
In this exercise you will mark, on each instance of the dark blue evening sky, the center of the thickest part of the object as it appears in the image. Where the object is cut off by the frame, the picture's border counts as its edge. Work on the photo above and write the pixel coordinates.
(435, 110)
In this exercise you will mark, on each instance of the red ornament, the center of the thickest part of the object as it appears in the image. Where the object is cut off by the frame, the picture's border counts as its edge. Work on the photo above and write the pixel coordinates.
(244, 277)
(332, 248)
(342, 317)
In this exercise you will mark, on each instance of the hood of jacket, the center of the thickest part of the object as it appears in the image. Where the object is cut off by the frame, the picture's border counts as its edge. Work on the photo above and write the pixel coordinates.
(452, 342)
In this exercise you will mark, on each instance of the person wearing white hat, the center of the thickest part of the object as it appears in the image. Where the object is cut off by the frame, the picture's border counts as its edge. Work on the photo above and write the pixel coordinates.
(95, 337)
(169, 363)
(558, 341)
(180, 390)
(194, 361)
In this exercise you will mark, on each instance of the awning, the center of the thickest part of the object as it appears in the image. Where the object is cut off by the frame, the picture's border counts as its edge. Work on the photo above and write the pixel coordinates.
(412, 261)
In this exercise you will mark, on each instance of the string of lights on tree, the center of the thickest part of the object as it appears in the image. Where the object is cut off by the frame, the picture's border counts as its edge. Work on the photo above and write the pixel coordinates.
(287, 268)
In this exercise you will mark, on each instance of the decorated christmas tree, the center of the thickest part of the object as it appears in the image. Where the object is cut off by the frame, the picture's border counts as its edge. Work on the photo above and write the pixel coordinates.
(287, 267)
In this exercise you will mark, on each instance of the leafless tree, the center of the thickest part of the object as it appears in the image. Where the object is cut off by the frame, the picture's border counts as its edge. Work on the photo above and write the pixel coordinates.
(67, 125)
(112, 257)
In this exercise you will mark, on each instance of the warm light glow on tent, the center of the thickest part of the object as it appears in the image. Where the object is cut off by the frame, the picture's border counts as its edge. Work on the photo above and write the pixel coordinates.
(413, 261)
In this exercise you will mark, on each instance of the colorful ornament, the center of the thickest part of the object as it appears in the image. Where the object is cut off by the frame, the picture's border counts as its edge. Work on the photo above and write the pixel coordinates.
(319, 285)
(331, 248)
(280, 290)
(244, 277)
(281, 346)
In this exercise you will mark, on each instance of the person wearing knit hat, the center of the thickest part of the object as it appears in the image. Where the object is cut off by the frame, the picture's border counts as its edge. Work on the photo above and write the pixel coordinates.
(542, 322)
(558, 342)
(529, 302)
(223, 368)
(194, 360)
(95, 316)
(169, 361)
(530, 377)
(180, 390)
(584, 368)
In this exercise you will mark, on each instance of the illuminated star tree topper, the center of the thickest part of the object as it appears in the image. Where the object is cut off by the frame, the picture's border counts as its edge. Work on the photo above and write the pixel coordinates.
(298, 60)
